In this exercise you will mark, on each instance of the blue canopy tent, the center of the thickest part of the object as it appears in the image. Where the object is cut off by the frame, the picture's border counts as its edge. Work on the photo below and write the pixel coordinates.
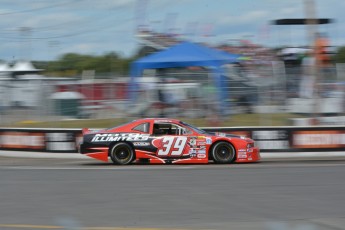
(187, 54)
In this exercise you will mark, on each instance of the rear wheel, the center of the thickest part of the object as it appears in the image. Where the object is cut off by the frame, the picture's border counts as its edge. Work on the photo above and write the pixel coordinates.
(223, 153)
(122, 154)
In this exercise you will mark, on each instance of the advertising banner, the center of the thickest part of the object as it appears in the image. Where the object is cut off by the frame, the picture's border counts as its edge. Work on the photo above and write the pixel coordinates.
(268, 139)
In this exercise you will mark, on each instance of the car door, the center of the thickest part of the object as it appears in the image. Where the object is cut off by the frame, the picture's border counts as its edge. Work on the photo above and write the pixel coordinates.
(171, 140)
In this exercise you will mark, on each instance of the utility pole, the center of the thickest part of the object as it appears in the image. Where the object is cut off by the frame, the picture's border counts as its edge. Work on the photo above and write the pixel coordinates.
(312, 23)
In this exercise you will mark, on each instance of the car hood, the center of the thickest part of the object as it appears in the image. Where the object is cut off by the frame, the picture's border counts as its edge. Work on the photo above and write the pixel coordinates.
(220, 134)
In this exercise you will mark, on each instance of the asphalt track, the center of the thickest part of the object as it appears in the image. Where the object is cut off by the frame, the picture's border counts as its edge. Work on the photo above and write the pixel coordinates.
(84, 194)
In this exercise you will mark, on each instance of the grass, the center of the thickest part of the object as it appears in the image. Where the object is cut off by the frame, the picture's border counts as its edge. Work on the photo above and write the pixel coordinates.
(237, 120)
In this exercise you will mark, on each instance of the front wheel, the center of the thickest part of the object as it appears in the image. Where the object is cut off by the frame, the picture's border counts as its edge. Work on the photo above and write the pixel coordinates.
(223, 153)
(122, 154)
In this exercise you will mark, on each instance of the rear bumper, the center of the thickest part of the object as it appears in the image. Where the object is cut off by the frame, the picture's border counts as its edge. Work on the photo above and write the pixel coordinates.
(97, 152)
(81, 149)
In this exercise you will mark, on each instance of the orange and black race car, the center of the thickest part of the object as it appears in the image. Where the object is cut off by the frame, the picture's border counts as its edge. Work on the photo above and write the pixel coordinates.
(166, 141)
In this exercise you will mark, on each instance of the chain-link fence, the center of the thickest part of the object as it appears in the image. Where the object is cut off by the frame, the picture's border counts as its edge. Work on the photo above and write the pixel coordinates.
(192, 93)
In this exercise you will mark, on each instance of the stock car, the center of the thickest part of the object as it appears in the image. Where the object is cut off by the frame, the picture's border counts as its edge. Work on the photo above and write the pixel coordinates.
(166, 141)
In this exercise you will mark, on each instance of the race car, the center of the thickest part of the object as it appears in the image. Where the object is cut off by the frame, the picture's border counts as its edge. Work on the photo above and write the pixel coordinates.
(166, 141)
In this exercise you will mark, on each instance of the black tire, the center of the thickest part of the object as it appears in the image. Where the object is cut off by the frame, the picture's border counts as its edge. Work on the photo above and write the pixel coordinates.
(223, 153)
(122, 154)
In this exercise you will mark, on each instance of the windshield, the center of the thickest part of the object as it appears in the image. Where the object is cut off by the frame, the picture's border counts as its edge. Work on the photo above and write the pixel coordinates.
(194, 128)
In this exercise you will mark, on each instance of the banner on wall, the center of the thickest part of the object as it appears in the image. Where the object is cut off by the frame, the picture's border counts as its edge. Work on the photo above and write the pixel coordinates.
(268, 139)
(22, 140)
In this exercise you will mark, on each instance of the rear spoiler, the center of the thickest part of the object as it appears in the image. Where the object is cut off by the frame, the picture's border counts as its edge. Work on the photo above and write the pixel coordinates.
(85, 131)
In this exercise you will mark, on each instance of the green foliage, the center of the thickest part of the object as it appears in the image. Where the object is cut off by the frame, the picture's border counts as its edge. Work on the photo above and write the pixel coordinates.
(145, 50)
(109, 64)
(73, 64)
(340, 55)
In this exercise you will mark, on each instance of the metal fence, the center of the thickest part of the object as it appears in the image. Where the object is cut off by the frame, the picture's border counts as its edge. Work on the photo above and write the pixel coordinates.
(189, 93)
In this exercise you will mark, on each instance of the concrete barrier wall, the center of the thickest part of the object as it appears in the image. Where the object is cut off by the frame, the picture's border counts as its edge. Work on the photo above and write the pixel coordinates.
(268, 139)
(292, 139)
(40, 140)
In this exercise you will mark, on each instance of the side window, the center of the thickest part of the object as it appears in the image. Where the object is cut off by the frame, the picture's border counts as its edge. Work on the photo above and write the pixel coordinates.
(178, 130)
(160, 129)
(169, 129)
(144, 127)
(186, 131)
(175, 130)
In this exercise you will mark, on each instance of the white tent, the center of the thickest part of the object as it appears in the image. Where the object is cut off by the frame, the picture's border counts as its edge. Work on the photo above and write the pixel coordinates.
(4, 67)
(24, 66)
(4, 70)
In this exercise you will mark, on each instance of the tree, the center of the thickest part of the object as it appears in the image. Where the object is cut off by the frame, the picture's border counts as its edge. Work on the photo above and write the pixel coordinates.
(73, 64)
(340, 55)
(144, 51)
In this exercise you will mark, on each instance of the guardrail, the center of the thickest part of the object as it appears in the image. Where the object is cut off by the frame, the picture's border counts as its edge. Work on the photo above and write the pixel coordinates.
(268, 139)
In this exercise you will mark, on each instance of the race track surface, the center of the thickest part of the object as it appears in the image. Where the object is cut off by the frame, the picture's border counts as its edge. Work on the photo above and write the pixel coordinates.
(84, 194)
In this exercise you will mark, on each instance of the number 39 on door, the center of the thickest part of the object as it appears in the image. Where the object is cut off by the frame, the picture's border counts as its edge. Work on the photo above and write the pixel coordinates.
(172, 146)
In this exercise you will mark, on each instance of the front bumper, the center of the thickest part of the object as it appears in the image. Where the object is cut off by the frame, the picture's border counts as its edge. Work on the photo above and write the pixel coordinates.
(250, 155)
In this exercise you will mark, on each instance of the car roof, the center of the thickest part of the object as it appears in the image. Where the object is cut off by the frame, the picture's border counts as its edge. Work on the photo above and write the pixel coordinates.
(160, 120)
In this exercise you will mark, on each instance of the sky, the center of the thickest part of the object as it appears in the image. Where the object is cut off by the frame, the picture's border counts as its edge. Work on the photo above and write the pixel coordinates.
(44, 30)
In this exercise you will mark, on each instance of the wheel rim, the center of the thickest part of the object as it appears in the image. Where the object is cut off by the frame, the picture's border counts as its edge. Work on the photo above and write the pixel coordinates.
(224, 152)
(122, 154)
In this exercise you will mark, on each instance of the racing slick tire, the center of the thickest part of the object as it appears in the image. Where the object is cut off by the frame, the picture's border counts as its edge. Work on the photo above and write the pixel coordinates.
(122, 154)
(223, 153)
